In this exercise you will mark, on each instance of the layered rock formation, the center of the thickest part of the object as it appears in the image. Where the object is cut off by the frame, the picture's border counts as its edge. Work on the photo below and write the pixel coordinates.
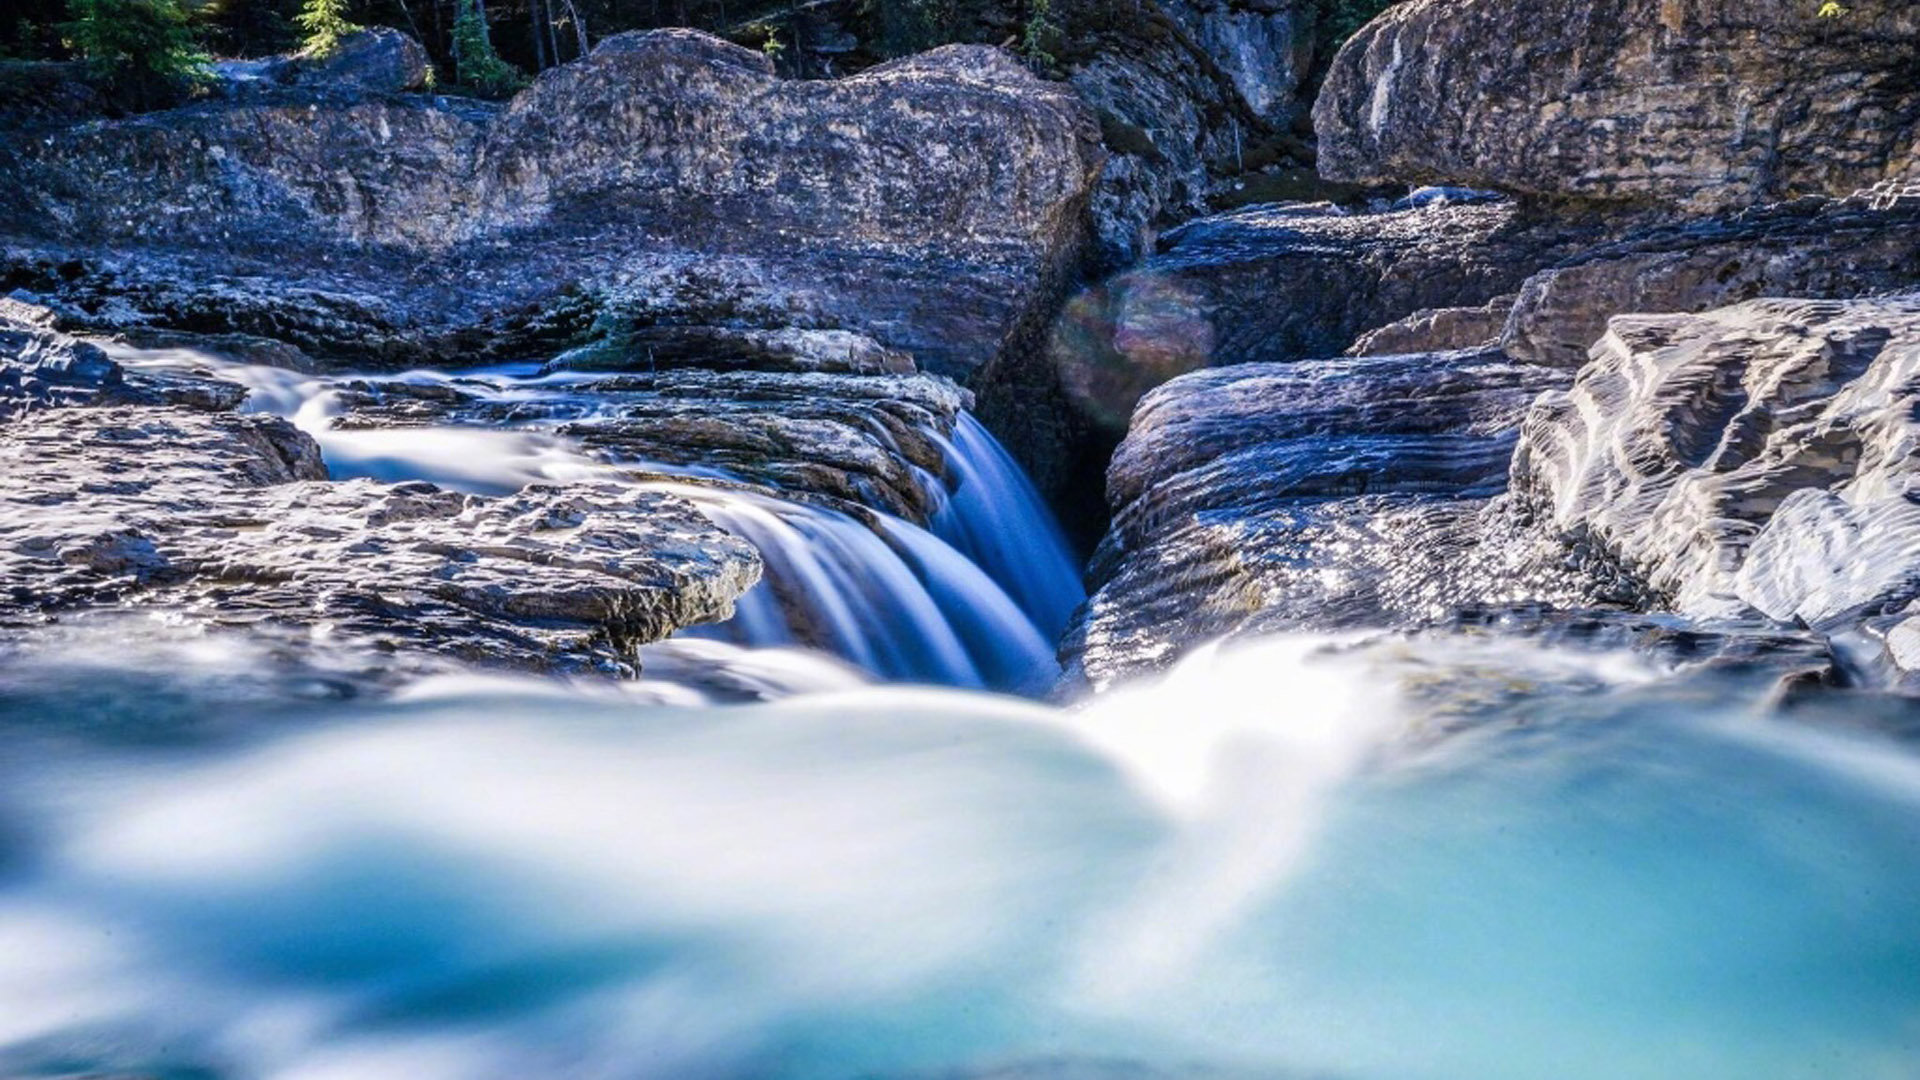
(1703, 106)
(1326, 494)
(865, 441)
(123, 490)
(1757, 458)
(1288, 282)
(1824, 249)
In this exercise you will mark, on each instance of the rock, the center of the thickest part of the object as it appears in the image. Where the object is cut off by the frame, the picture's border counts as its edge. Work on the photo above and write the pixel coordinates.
(869, 441)
(223, 519)
(1438, 330)
(1755, 459)
(1190, 93)
(728, 348)
(1822, 249)
(43, 93)
(1281, 283)
(42, 369)
(1702, 107)
(377, 60)
(933, 205)
(1322, 494)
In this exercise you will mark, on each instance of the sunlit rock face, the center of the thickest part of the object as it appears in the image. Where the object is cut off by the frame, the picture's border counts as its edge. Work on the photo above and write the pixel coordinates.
(1702, 106)
(669, 177)
(1756, 458)
(1287, 282)
(127, 489)
(1324, 494)
(1816, 248)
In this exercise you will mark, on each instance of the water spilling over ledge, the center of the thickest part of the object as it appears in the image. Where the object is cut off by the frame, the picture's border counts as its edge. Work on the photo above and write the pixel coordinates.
(976, 599)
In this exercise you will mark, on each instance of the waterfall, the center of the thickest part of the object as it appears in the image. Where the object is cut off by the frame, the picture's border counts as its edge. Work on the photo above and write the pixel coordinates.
(976, 601)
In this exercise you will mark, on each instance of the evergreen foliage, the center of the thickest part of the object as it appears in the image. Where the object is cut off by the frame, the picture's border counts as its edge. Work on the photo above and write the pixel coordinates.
(142, 51)
(322, 24)
(476, 64)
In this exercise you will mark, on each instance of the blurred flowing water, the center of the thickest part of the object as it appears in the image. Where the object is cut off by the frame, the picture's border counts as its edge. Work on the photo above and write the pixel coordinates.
(1436, 858)
(1290, 859)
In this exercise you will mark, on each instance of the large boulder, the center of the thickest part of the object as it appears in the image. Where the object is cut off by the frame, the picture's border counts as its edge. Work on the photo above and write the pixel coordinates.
(1758, 458)
(1288, 282)
(1320, 494)
(1696, 105)
(933, 204)
(377, 60)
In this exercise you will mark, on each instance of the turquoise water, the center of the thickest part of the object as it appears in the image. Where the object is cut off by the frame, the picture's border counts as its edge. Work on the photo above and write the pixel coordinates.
(1282, 861)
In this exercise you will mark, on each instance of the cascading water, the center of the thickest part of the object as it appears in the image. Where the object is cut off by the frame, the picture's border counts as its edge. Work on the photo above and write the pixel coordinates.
(1423, 859)
(976, 602)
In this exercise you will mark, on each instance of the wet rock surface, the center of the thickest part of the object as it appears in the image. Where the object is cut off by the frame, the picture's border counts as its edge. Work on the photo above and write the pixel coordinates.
(1702, 106)
(1756, 459)
(870, 441)
(225, 519)
(1326, 494)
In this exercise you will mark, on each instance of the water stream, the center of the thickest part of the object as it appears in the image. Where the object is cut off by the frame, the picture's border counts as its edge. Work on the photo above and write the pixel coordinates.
(1441, 858)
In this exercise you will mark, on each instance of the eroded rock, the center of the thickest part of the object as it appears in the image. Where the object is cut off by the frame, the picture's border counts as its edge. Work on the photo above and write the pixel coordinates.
(1323, 494)
(1753, 459)
(1702, 106)
(227, 519)
(1281, 283)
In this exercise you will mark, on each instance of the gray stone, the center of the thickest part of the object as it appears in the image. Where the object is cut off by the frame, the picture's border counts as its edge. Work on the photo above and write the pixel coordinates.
(1700, 106)
(1323, 494)
(1756, 458)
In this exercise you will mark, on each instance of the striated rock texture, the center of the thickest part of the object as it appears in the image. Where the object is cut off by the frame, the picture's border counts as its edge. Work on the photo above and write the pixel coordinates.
(1816, 248)
(1700, 105)
(227, 519)
(1439, 330)
(669, 178)
(1281, 283)
(1322, 494)
(872, 441)
(1757, 458)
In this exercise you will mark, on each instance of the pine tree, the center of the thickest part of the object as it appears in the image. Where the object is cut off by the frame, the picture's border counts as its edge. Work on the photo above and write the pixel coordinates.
(324, 23)
(143, 50)
(475, 62)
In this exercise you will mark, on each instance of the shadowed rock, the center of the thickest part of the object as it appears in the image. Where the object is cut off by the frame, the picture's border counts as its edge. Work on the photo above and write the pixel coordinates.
(1282, 283)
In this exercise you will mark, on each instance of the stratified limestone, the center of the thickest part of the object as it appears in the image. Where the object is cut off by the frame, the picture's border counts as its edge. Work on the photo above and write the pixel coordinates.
(1756, 458)
(1288, 282)
(1325, 494)
(178, 505)
(1701, 106)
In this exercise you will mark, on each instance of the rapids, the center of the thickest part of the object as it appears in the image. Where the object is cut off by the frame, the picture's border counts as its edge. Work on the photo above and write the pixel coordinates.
(1438, 857)
(977, 601)
(1280, 861)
